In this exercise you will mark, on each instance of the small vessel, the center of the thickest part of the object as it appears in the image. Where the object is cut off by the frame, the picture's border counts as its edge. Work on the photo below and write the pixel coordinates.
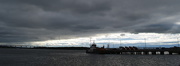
(94, 49)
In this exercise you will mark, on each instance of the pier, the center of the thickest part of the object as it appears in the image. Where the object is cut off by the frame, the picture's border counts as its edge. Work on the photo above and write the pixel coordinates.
(134, 50)
(155, 51)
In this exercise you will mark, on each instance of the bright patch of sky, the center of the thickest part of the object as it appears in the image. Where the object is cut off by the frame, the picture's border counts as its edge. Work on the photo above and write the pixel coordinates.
(116, 40)
(177, 23)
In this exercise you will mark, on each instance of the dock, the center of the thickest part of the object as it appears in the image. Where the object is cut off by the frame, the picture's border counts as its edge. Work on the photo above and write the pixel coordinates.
(155, 51)
(134, 50)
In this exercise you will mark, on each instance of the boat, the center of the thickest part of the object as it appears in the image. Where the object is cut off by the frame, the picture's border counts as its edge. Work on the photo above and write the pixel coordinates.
(96, 50)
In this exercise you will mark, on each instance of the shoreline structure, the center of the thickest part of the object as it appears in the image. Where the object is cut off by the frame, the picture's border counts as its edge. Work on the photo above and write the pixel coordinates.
(133, 50)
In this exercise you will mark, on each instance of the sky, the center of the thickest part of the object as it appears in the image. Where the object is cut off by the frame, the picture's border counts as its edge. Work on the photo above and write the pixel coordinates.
(74, 22)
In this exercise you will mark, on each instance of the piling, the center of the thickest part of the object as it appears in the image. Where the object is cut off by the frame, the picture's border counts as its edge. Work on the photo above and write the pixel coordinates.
(178, 53)
(162, 52)
(153, 53)
(138, 53)
(146, 53)
(170, 53)
(132, 53)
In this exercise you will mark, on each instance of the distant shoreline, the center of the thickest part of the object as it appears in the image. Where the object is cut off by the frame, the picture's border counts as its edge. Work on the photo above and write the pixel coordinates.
(59, 48)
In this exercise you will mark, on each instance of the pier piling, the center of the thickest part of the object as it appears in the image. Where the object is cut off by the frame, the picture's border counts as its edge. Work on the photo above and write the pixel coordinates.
(178, 53)
(153, 53)
(145, 53)
(170, 53)
(162, 52)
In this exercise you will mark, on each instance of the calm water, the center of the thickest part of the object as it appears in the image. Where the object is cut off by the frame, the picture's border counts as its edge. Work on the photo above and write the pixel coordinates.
(45, 57)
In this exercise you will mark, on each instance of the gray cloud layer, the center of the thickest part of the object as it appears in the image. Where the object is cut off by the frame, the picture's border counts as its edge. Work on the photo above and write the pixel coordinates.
(37, 20)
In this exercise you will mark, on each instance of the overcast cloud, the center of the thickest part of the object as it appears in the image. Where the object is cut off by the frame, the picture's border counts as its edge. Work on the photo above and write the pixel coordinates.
(39, 20)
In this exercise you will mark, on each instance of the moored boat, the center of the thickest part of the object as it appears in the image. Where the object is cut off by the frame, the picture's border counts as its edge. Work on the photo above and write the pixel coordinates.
(94, 49)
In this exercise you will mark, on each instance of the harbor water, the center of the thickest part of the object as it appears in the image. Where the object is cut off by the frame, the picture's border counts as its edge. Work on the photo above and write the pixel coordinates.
(50, 57)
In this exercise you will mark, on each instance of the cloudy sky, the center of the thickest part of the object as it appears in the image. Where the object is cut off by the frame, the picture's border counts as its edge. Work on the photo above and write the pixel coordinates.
(73, 22)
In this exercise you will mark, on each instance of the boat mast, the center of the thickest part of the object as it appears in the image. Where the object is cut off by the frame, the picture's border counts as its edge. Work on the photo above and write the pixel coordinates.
(90, 41)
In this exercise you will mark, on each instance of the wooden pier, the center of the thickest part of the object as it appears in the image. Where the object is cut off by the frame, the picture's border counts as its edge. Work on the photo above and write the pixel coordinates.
(136, 51)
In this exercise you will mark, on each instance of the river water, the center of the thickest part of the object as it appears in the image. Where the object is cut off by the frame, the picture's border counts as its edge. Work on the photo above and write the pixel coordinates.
(48, 57)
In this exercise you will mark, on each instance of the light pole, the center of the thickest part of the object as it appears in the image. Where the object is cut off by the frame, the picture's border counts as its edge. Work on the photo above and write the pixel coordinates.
(178, 41)
(145, 42)
(120, 41)
(90, 41)
(107, 41)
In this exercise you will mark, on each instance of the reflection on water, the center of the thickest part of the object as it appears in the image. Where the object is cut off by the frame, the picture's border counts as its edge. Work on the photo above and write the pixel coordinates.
(44, 57)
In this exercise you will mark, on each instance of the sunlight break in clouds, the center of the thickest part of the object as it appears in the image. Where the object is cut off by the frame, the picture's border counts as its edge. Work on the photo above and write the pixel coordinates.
(177, 23)
(129, 39)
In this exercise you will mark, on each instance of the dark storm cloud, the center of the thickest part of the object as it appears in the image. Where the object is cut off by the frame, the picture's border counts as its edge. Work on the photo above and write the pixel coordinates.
(160, 28)
(38, 20)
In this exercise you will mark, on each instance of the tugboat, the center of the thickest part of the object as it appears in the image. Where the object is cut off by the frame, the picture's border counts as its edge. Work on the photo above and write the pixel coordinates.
(96, 50)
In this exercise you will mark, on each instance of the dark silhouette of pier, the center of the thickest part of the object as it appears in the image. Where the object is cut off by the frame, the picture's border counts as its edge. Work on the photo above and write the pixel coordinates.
(142, 51)
(133, 50)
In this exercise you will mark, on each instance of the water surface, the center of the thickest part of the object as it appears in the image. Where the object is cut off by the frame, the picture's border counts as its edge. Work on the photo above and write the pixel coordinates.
(47, 57)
